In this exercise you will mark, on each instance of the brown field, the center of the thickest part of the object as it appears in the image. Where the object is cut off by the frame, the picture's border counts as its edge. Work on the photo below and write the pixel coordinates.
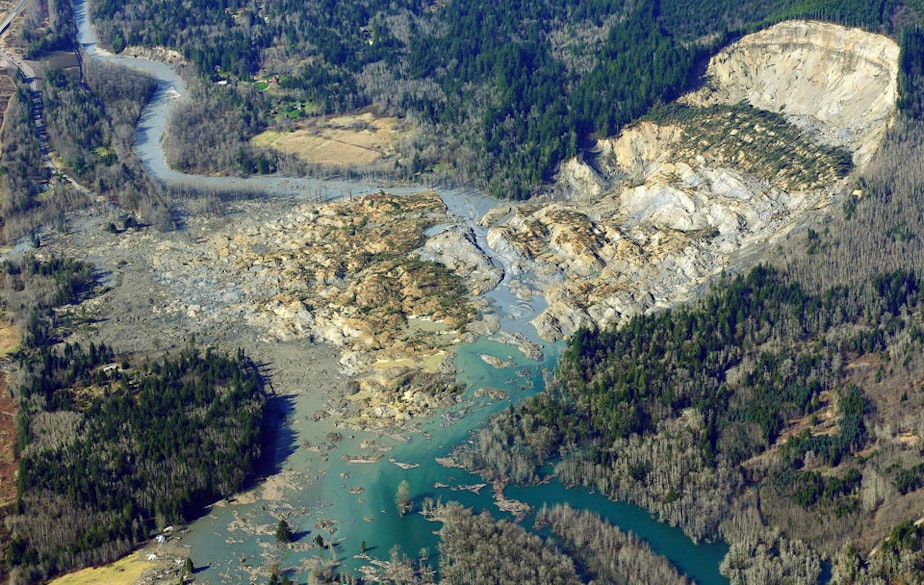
(9, 341)
(339, 141)
(9, 463)
(64, 60)
(13, 35)
(125, 571)
(166, 567)
(9, 338)
(7, 88)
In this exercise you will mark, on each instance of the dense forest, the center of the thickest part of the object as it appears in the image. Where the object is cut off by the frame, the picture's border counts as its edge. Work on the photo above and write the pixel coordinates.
(23, 173)
(211, 131)
(503, 90)
(122, 451)
(90, 114)
(48, 26)
(91, 124)
(769, 413)
(110, 450)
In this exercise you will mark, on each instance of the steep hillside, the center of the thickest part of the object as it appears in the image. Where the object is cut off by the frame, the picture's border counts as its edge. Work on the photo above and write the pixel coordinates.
(499, 91)
(839, 85)
(677, 198)
(782, 411)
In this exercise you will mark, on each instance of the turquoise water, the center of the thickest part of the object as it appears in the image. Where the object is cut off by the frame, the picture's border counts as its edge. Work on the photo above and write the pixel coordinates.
(348, 503)
(371, 516)
(700, 561)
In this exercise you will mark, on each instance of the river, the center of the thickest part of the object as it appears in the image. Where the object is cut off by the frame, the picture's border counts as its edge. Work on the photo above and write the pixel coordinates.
(349, 503)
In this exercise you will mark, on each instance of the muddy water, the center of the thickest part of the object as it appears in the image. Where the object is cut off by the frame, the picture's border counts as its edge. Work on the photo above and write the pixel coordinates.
(318, 486)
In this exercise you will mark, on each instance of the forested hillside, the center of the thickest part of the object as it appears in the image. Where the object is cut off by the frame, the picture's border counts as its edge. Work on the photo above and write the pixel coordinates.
(90, 114)
(503, 91)
(111, 449)
(783, 412)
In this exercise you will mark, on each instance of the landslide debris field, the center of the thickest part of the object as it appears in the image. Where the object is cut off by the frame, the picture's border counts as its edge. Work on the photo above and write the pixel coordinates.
(357, 302)
(147, 308)
(391, 281)
(316, 292)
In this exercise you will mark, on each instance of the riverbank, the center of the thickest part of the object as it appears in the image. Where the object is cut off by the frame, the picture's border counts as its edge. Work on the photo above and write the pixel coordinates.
(165, 290)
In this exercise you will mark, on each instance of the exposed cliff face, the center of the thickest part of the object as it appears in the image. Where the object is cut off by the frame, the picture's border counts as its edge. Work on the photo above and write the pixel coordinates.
(392, 281)
(840, 84)
(782, 118)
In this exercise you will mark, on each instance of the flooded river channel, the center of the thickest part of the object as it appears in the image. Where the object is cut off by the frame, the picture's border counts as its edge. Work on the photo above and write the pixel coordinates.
(318, 485)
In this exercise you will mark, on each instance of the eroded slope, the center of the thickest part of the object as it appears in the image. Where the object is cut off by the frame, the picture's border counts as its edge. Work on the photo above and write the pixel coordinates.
(837, 83)
(784, 116)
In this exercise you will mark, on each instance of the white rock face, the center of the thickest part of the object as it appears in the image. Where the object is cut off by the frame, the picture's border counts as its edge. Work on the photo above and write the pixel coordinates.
(579, 179)
(457, 249)
(677, 204)
(841, 83)
(640, 148)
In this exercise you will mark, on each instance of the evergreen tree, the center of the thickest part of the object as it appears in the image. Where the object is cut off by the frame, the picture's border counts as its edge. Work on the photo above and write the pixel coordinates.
(284, 532)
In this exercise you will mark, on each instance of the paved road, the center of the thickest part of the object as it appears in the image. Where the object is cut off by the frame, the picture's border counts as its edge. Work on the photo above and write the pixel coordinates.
(25, 69)
(28, 73)
(29, 76)
(38, 109)
(13, 14)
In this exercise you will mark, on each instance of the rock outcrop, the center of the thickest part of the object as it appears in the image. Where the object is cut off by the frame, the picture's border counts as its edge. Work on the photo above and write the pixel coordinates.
(839, 84)
(646, 221)
(784, 116)
(457, 248)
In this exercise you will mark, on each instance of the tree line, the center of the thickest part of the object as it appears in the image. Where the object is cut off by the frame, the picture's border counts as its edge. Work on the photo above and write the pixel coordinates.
(145, 448)
(21, 161)
(90, 117)
(509, 89)
(111, 449)
(745, 415)
(91, 124)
